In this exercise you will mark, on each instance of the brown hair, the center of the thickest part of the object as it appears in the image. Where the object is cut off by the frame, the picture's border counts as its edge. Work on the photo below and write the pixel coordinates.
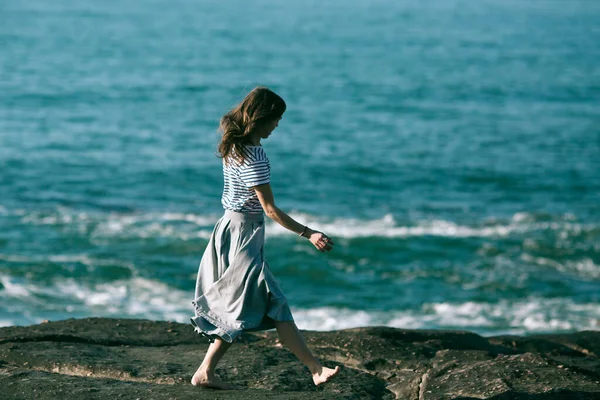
(260, 106)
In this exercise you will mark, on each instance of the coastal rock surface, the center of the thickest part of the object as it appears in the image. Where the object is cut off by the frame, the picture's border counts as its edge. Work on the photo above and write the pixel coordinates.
(100, 358)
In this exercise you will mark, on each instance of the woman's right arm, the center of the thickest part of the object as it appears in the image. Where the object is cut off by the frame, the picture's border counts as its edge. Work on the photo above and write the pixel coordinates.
(265, 195)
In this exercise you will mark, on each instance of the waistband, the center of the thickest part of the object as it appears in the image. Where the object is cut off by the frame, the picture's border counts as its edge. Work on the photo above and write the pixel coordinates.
(244, 217)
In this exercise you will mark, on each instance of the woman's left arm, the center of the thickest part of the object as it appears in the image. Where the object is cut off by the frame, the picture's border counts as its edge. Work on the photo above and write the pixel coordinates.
(267, 201)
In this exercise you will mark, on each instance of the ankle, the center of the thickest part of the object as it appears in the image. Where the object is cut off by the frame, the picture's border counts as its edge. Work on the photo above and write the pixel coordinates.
(315, 368)
(204, 370)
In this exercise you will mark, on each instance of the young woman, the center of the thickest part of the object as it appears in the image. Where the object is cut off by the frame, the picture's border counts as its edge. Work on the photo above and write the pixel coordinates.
(236, 290)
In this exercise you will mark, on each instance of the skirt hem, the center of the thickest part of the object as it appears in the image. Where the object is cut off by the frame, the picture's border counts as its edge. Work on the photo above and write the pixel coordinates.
(207, 324)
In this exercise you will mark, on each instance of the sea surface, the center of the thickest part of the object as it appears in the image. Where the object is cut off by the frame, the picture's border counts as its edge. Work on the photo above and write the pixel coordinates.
(450, 147)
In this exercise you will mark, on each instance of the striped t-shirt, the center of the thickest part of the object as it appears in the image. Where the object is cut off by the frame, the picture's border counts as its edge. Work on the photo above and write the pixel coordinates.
(239, 179)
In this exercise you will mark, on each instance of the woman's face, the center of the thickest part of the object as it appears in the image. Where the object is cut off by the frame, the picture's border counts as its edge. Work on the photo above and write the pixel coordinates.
(270, 127)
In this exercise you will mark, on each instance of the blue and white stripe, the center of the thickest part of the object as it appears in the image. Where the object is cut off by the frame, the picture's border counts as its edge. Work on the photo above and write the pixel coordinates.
(239, 179)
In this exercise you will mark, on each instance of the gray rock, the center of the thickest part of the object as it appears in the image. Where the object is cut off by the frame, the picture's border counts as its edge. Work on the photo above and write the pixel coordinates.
(99, 358)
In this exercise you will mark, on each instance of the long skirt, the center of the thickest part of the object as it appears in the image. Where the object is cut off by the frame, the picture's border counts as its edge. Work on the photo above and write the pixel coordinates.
(236, 290)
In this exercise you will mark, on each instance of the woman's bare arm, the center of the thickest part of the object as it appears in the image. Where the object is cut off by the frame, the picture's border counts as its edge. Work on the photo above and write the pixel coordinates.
(267, 200)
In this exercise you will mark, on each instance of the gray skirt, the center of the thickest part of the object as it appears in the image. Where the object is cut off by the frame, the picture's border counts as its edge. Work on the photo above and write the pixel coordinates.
(236, 291)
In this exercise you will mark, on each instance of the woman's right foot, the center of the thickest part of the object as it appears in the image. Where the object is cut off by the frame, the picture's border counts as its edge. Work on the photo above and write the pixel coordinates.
(325, 375)
(202, 379)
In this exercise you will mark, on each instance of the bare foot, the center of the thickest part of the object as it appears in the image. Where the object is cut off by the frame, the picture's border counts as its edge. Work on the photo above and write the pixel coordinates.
(202, 379)
(325, 375)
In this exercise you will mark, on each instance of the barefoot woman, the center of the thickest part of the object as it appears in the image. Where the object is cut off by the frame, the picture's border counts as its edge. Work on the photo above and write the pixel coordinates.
(236, 290)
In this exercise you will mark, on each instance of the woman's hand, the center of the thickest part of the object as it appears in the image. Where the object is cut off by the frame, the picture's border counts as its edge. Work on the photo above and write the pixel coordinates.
(265, 195)
(320, 240)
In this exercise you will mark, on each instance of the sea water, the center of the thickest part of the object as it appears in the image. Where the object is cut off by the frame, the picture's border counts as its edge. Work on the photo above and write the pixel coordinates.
(450, 148)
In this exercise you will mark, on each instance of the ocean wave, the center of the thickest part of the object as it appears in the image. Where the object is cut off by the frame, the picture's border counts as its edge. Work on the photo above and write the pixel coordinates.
(187, 226)
(387, 227)
(84, 259)
(585, 268)
(135, 298)
(505, 317)
(25, 303)
(183, 226)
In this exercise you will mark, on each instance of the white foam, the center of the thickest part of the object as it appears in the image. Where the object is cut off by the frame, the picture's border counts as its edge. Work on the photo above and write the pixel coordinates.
(139, 297)
(584, 268)
(522, 217)
(143, 225)
(12, 288)
(14, 258)
(327, 318)
(199, 220)
(465, 314)
(136, 297)
(82, 258)
(187, 226)
(387, 227)
(6, 322)
(520, 317)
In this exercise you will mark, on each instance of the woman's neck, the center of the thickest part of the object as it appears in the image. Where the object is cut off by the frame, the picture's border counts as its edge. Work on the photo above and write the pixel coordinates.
(255, 140)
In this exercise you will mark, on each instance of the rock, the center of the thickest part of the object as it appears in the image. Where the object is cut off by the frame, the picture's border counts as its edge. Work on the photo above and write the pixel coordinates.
(100, 358)
(482, 376)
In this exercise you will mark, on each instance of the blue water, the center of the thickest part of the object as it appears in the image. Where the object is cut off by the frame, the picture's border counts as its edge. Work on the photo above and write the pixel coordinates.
(450, 148)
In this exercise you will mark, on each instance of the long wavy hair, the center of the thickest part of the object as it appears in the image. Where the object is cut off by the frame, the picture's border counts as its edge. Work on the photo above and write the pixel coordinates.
(259, 107)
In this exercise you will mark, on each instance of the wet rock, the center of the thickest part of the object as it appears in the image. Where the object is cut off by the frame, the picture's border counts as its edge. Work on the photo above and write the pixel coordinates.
(100, 358)
(482, 376)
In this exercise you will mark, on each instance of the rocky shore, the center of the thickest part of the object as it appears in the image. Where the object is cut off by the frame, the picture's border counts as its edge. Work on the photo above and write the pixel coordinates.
(100, 358)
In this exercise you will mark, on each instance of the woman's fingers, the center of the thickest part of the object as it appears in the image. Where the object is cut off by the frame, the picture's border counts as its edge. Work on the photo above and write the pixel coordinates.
(323, 243)
(327, 240)
(323, 247)
(327, 247)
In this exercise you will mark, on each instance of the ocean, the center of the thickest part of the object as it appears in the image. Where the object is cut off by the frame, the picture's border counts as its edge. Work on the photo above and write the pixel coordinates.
(451, 149)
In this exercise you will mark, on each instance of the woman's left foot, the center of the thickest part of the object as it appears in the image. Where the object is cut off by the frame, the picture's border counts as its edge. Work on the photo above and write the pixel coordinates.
(325, 375)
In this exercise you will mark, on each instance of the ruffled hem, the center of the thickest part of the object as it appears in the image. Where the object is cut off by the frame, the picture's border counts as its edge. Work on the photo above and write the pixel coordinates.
(210, 326)
(204, 328)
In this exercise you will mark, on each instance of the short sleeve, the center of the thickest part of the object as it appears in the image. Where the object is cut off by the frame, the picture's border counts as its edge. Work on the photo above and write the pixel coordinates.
(256, 172)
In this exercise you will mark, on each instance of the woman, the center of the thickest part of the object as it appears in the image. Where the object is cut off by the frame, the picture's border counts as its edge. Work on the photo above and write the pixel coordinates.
(235, 290)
